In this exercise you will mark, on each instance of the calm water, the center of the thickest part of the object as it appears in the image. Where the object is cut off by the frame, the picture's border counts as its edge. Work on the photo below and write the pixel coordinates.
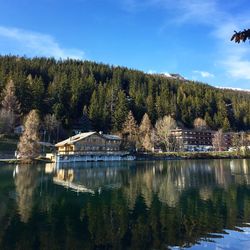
(136, 205)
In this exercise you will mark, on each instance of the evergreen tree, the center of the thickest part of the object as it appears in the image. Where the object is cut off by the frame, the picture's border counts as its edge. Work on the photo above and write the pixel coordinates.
(37, 91)
(94, 111)
(208, 120)
(226, 125)
(120, 113)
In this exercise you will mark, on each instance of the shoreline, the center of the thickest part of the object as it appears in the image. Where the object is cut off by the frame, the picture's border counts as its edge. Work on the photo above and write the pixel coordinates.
(19, 161)
(192, 155)
(157, 156)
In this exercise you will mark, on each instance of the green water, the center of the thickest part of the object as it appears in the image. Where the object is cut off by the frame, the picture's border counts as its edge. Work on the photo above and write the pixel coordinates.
(203, 204)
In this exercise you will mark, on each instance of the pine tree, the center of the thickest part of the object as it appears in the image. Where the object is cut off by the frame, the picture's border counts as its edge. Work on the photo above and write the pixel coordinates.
(28, 146)
(94, 111)
(37, 90)
(208, 120)
(121, 111)
(226, 125)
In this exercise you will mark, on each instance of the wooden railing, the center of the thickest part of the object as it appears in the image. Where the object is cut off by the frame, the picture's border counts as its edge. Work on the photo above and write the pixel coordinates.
(92, 152)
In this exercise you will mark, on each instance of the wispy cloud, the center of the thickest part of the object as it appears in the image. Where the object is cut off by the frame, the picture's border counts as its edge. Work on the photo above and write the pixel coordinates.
(232, 58)
(238, 67)
(37, 44)
(203, 74)
(222, 20)
(183, 10)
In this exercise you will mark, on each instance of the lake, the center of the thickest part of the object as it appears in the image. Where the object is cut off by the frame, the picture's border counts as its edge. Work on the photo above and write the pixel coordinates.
(198, 204)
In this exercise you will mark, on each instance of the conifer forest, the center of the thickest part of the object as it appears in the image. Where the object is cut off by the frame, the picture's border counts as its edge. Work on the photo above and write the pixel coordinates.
(69, 89)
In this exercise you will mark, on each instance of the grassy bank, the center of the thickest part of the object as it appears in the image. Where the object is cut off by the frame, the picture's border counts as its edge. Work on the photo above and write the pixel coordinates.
(192, 155)
(8, 145)
(8, 142)
(20, 161)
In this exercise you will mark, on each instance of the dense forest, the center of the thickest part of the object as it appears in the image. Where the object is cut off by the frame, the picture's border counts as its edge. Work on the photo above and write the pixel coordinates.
(70, 89)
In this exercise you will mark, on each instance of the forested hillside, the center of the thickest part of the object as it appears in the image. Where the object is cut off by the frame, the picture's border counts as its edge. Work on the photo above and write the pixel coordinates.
(107, 93)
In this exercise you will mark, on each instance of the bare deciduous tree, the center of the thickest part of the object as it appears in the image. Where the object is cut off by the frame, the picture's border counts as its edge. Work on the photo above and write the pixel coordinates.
(200, 124)
(28, 146)
(145, 131)
(130, 132)
(163, 128)
(10, 108)
(219, 141)
(239, 141)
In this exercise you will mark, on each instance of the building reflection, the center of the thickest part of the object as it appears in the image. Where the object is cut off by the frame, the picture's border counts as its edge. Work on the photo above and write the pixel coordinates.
(166, 179)
(90, 177)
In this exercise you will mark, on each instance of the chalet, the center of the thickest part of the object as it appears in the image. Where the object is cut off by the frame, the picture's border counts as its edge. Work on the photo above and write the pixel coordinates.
(90, 146)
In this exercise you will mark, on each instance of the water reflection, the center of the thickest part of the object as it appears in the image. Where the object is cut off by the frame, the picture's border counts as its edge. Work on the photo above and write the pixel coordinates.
(26, 181)
(166, 179)
(134, 205)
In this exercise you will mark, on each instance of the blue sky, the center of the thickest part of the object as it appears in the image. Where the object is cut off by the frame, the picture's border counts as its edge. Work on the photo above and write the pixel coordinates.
(189, 37)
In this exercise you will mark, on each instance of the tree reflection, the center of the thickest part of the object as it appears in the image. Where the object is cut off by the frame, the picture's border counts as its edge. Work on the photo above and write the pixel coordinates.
(26, 181)
(155, 205)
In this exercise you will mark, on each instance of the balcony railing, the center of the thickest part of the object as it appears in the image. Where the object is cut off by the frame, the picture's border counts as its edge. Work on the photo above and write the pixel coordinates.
(92, 153)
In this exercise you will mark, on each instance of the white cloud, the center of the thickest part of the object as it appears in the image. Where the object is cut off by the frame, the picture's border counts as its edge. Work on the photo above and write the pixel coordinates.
(230, 58)
(151, 72)
(234, 58)
(37, 44)
(238, 67)
(239, 89)
(203, 74)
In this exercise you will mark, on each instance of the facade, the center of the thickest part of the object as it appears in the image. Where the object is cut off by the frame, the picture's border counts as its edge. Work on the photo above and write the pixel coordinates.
(201, 140)
(194, 140)
(19, 130)
(89, 142)
(90, 146)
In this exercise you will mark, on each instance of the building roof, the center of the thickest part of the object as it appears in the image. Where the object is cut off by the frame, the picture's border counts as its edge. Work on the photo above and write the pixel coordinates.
(75, 138)
(192, 130)
(111, 137)
(78, 137)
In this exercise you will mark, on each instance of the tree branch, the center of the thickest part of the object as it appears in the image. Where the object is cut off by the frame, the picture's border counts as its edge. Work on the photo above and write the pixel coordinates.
(241, 36)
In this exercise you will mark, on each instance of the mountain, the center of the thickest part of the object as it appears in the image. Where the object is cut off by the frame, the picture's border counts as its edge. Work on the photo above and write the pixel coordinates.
(106, 94)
